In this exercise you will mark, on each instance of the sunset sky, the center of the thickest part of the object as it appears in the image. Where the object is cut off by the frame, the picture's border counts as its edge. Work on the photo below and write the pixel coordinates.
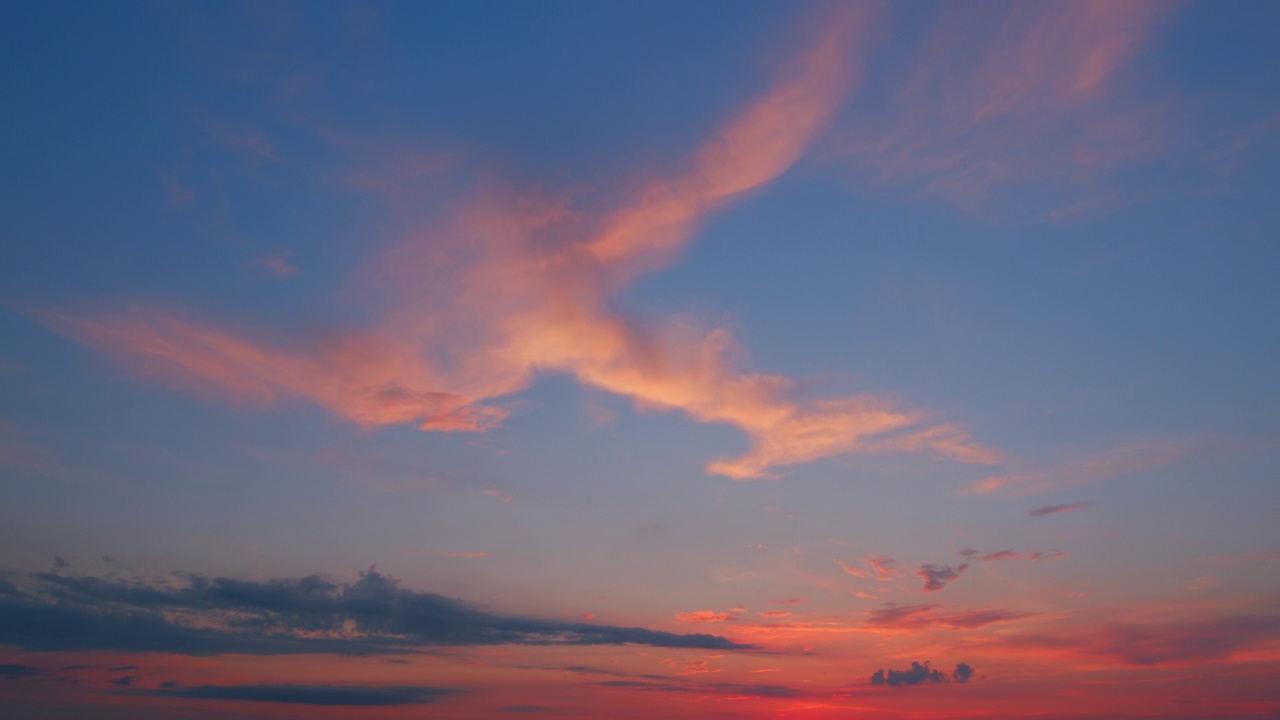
(691, 360)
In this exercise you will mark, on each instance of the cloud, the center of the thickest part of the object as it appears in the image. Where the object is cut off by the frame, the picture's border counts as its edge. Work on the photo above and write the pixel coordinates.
(282, 616)
(1054, 509)
(276, 264)
(937, 576)
(509, 285)
(1113, 463)
(123, 668)
(927, 617)
(1001, 555)
(526, 709)
(919, 674)
(328, 695)
(13, 671)
(1043, 99)
(706, 616)
(1198, 640)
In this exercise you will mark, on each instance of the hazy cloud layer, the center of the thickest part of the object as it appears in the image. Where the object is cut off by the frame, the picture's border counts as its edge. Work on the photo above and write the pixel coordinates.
(282, 616)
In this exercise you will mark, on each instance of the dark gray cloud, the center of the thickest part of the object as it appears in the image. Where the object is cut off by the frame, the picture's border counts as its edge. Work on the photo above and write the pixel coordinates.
(1053, 509)
(937, 576)
(60, 564)
(14, 671)
(123, 668)
(330, 695)
(526, 709)
(124, 681)
(920, 674)
(733, 689)
(283, 616)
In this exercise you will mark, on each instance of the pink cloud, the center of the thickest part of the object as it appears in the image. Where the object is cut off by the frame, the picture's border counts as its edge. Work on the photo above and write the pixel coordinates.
(1177, 642)
(512, 285)
(1042, 99)
(276, 264)
(1113, 463)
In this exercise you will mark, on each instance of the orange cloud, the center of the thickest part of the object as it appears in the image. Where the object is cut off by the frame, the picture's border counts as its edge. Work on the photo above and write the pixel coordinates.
(509, 285)
(707, 616)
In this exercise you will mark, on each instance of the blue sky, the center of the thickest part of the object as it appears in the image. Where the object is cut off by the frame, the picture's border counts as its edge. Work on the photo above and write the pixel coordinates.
(649, 316)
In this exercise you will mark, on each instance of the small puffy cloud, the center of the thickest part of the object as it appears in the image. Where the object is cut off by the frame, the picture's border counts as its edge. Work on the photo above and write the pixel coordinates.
(276, 264)
(505, 498)
(917, 674)
(921, 674)
(938, 576)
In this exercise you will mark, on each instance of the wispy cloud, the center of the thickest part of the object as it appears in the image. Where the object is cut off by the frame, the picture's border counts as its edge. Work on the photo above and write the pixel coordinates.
(926, 617)
(1043, 99)
(1116, 462)
(1055, 509)
(277, 264)
(515, 284)
(710, 616)
(881, 567)
(1139, 643)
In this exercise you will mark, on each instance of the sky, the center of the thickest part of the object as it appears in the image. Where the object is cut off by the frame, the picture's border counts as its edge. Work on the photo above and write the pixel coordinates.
(706, 360)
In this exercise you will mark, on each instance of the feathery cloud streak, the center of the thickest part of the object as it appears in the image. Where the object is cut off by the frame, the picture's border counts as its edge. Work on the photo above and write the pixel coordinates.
(1044, 98)
(513, 285)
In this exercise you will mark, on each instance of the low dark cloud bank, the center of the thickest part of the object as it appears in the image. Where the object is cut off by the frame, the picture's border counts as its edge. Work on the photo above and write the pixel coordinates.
(330, 695)
(14, 671)
(921, 674)
(205, 616)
